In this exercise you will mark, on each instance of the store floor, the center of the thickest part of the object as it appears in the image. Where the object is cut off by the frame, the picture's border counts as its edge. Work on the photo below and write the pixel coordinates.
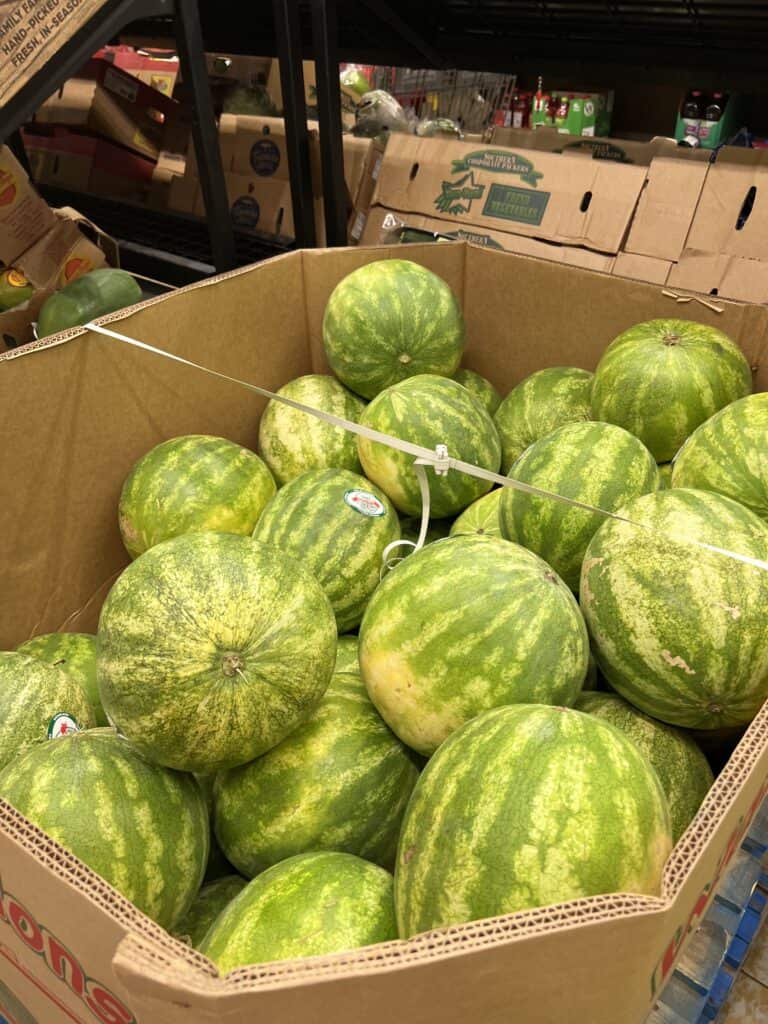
(748, 1002)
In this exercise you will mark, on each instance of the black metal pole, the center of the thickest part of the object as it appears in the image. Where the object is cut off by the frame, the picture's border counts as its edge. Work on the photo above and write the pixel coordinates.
(335, 196)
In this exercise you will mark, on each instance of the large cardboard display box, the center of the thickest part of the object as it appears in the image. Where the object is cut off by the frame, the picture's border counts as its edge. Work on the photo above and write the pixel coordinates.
(76, 411)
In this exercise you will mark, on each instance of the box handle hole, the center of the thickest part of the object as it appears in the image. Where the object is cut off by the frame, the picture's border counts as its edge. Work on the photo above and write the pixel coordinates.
(713, 291)
(279, 222)
(414, 172)
(746, 207)
(586, 199)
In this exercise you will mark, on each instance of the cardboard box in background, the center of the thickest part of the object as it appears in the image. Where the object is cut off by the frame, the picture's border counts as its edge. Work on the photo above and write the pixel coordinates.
(642, 268)
(70, 105)
(155, 68)
(24, 216)
(732, 277)
(623, 151)
(310, 87)
(666, 208)
(238, 68)
(732, 213)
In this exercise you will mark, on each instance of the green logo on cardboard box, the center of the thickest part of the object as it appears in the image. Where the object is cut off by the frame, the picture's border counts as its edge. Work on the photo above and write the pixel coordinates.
(456, 196)
(499, 161)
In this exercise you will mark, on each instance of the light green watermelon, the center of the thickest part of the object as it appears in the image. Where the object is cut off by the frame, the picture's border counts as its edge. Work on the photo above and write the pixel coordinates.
(341, 781)
(429, 410)
(212, 648)
(482, 517)
(293, 442)
(337, 525)
(208, 904)
(464, 625)
(527, 806)
(539, 404)
(346, 655)
(729, 454)
(682, 768)
(679, 631)
(389, 320)
(480, 388)
(665, 476)
(662, 378)
(75, 654)
(594, 463)
(37, 702)
(308, 905)
(190, 484)
(142, 828)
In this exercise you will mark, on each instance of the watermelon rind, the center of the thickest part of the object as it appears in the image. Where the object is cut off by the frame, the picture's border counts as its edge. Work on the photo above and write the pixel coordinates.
(481, 517)
(206, 907)
(480, 388)
(75, 654)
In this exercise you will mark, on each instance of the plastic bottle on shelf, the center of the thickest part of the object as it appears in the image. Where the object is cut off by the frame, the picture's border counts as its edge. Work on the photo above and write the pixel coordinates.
(692, 112)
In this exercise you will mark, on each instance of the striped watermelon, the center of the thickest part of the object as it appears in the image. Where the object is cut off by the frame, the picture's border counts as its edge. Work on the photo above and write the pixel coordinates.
(662, 378)
(308, 905)
(665, 475)
(218, 866)
(429, 410)
(482, 517)
(524, 807)
(337, 525)
(681, 632)
(142, 828)
(37, 702)
(464, 625)
(207, 905)
(293, 442)
(340, 781)
(591, 680)
(346, 655)
(480, 388)
(390, 320)
(682, 768)
(75, 653)
(729, 454)
(189, 484)
(594, 463)
(538, 405)
(212, 648)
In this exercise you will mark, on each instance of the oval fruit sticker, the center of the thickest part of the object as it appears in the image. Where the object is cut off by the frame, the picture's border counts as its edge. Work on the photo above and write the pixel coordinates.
(62, 724)
(75, 267)
(8, 188)
(365, 503)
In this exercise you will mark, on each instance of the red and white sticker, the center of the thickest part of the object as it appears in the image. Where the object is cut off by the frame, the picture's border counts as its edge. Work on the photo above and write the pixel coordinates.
(62, 724)
(365, 503)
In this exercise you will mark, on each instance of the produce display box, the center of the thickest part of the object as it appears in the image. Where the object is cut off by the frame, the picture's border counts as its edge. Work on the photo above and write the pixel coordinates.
(71, 948)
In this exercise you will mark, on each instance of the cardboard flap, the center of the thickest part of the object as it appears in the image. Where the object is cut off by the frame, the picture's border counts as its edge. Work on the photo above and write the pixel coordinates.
(720, 274)
(107, 244)
(732, 215)
(642, 268)
(666, 208)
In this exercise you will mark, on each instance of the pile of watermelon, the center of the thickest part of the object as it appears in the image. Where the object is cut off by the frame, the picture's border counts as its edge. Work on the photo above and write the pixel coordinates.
(303, 728)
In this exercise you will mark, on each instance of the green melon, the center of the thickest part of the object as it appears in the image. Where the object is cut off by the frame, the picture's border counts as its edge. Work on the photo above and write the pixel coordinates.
(75, 654)
(37, 702)
(539, 404)
(337, 525)
(218, 866)
(293, 442)
(467, 624)
(482, 517)
(429, 410)
(389, 320)
(527, 806)
(480, 388)
(662, 378)
(729, 454)
(665, 476)
(190, 484)
(341, 781)
(682, 768)
(142, 828)
(594, 463)
(309, 905)
(677, 630)
(346, 655)
(591, 681)
(212, 899)
(212, 648)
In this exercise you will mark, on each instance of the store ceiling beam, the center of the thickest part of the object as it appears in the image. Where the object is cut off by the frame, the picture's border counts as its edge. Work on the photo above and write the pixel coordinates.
(391, 18)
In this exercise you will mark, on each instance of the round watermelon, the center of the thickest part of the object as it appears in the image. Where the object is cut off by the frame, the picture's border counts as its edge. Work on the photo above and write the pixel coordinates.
(346, 655)
(308, 905)
(38, 702)
(539, 404)
(480, 388)
(190, 484)
(218, 866)
(75, 654)
(429, 410)
(662, 378)
(679, 631)
(682, 768)
(591, 680)
(142, 828)
(729, 454)
(207, 905)
(527, 806)
(293, 442)
(212, 648)
(593, 463)
(341, 781)
(482, 517)
(337, 525)
(464, 625)
(665, 476)
(389, 320)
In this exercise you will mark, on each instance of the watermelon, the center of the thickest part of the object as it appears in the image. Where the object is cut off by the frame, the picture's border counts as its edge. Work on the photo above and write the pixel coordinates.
(190, 484)
(682, 768)
(340, 781)
(143, 828)
(308, 905)
(293, 442)
(337, 525)
(75, 653)
(218, 866)
(662, 378)
(464, 625)
(207, 905)
(523, 807)
(480, 388)
(429, 410)
(679, 631)
(389, 320)
(37, 702)
(729, 454)
(539, 404)
(346, 655)
(591, 681)
(482, 517)
(212, 648)
(594, 463)
(665, 475)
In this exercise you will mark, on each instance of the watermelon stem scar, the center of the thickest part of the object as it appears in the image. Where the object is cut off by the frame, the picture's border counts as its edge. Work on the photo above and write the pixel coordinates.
(671, 338)
(404, 358)
(231, 663)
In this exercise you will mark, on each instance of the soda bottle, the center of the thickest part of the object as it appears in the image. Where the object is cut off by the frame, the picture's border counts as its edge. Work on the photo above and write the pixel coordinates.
(715, 107)
(521, 107)
(561, 113)
(712, 114)
(691, 114)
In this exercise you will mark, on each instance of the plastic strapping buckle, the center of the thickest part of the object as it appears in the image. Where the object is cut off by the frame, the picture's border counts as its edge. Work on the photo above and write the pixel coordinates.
(442, 462)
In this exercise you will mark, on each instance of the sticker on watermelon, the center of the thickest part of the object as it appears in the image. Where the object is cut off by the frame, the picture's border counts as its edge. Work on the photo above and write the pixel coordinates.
(62, 724)
(365, 503)
(75, 267)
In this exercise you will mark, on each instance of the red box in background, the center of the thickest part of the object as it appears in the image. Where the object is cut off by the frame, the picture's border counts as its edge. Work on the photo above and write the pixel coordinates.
(158, 69)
